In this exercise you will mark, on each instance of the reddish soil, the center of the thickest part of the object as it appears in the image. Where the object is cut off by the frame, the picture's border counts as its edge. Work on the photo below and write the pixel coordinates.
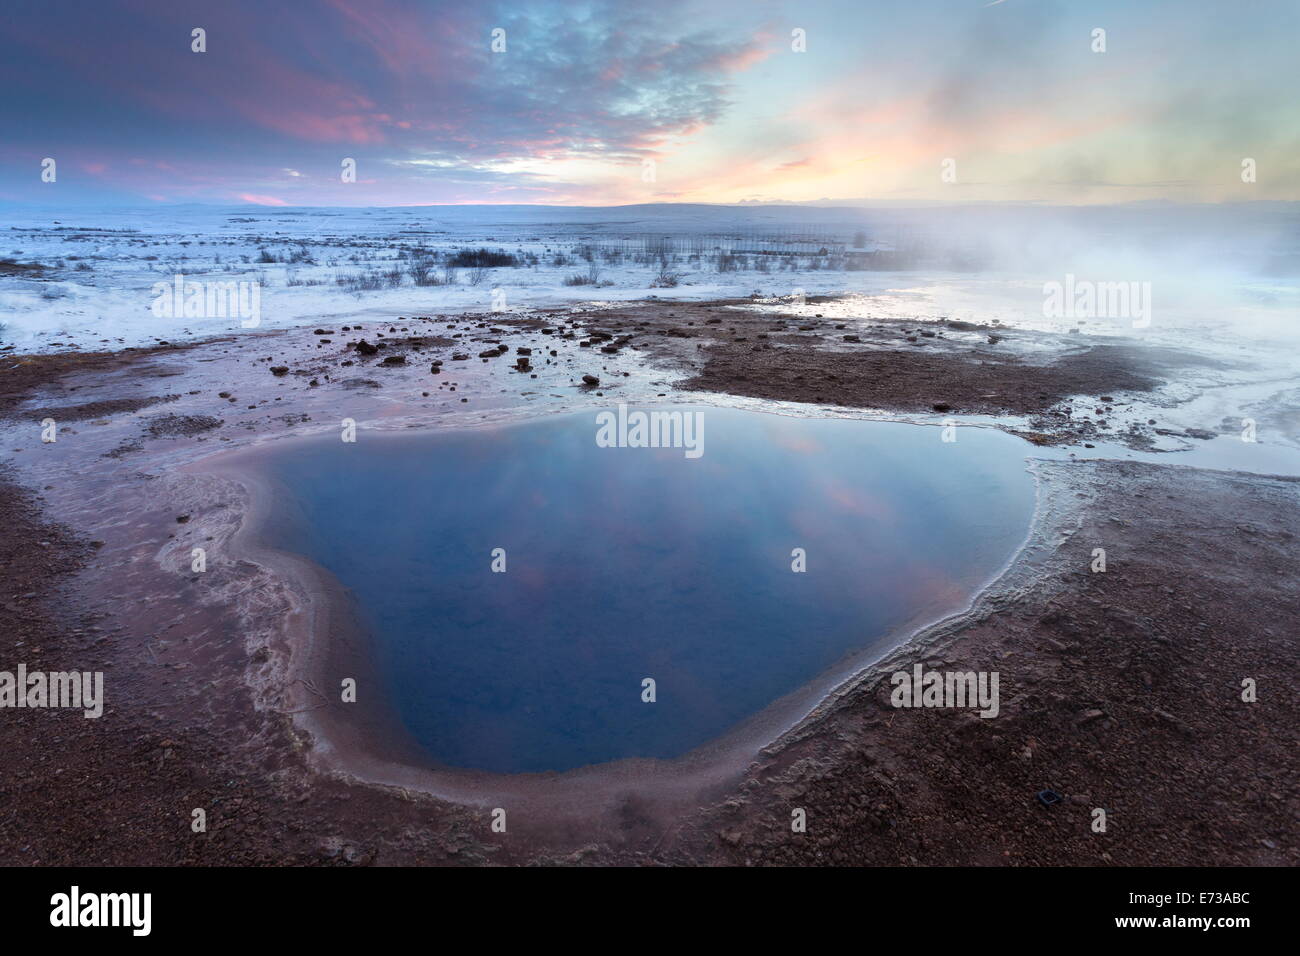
(1120, 690)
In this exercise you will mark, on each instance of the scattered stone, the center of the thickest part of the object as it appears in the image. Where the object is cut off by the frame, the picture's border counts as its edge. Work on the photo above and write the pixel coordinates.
(1085, 717)
(167, 426)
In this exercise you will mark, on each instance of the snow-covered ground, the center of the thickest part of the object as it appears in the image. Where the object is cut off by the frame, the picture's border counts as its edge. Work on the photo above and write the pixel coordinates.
(87, 281)
(97, 286)
(100, 269)
(1221, 283)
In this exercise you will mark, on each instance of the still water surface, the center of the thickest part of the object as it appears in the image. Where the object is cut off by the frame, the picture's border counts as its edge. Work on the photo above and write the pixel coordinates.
(631, 563)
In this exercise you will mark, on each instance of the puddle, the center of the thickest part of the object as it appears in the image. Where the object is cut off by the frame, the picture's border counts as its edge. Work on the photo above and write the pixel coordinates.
(628, 563)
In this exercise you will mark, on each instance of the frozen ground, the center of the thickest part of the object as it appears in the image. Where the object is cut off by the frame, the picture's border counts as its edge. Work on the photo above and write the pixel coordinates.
(97, 269)
(317, 265)
(1222, 281)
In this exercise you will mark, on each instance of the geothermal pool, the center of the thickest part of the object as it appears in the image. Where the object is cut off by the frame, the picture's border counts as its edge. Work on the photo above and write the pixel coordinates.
(626, 563)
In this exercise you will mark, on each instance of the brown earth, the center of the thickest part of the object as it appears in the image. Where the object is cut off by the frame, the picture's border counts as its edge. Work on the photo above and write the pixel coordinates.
(24, 375)
(1120, 690)
(121, 789)
(920, 380)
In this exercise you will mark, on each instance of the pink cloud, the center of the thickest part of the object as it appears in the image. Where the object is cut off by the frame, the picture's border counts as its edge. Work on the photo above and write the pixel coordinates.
(257, 200)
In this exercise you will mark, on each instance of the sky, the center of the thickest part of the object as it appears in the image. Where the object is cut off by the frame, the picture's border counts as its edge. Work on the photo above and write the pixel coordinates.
(613, 102)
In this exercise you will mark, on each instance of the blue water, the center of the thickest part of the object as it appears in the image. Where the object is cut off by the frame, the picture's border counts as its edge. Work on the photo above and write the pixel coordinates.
(627, 563)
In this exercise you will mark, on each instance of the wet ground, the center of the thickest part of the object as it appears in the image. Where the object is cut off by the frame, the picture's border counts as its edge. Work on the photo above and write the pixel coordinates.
(203, 710)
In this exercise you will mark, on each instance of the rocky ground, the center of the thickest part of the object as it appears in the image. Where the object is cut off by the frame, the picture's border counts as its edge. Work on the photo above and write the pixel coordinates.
(1050, 388)
(1120, 690)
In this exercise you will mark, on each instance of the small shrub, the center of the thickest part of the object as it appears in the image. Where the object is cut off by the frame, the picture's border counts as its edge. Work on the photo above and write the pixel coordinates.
(483, 259)
(666, 278)
(362, 282)
(422, 272)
